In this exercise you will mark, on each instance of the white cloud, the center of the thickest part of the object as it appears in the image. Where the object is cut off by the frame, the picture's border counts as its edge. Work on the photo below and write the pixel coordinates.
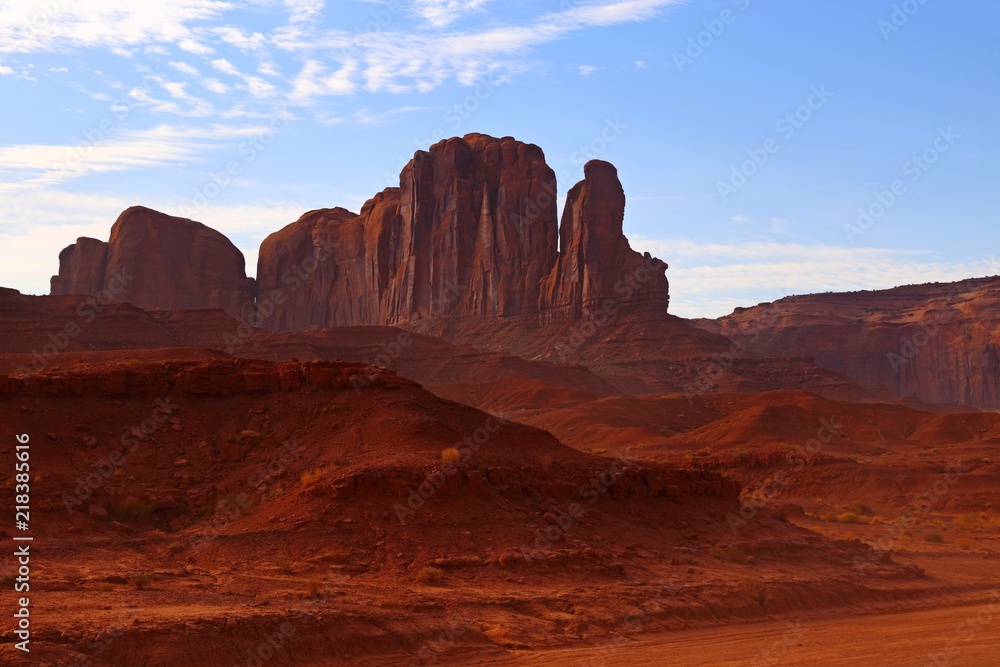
(240, 38)
(184, 68)
(741, 219)
(405, 62)
(29, 26)
(587, 70)
(225, 67)
(216, 86)
(315, 80)
(440, 13)
(27, 167)
(4, 70)
(710, 279)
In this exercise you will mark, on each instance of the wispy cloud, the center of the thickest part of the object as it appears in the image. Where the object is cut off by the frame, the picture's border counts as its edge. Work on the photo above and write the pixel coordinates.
(406, 62)
(440, 13)
(31, 166)
(28, 26)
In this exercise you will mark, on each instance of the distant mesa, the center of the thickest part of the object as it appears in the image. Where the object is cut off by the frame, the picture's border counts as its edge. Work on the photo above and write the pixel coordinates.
(470, 233)
(154, 261)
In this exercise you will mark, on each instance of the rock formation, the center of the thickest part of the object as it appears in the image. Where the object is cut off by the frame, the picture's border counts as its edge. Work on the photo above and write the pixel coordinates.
(937, 342)
(471, 233)
(595, 261)
(81, 267)
(154, 260)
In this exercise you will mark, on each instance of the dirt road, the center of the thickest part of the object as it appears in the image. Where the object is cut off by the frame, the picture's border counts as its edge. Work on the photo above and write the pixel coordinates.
(946, 637)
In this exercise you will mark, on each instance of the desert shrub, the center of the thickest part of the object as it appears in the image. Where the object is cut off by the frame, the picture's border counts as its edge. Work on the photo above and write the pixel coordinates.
(106, 587)
(175, 548)
(964, 544)
(287, 566)
(430, 575)
(132, 509)
(742, 458)
(851, 517)
(311, 477)
(140, 580)
(934, 537)
(863, 509)
(156, 535)
(451, 455)
(704, 451)
(7, 581)
(312, 587)
(232, 504)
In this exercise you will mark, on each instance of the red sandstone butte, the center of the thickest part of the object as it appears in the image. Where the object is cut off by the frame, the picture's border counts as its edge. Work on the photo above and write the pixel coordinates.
(153, 260)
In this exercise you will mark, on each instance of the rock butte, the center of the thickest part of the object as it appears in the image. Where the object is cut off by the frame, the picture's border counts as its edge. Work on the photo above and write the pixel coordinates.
(154, 260)
(470, 233)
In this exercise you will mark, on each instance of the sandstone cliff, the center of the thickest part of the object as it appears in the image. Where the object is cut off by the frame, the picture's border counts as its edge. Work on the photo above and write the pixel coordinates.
(471, 233)
(936, 342)
(154, 260)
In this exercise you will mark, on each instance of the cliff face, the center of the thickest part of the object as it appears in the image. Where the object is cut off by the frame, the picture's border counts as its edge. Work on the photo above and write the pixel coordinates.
(154, 260)
(938, 342)
(596, 262)
(81, 268)
(471, 233)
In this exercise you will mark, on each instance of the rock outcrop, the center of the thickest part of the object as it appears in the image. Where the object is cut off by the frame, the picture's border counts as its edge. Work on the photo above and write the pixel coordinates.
(596, 262)
(471, 233)
(153, 260)
(82, 267)
(939, 343)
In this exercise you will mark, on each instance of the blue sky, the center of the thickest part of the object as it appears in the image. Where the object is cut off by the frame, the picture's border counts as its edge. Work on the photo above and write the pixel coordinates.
(749, 135)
